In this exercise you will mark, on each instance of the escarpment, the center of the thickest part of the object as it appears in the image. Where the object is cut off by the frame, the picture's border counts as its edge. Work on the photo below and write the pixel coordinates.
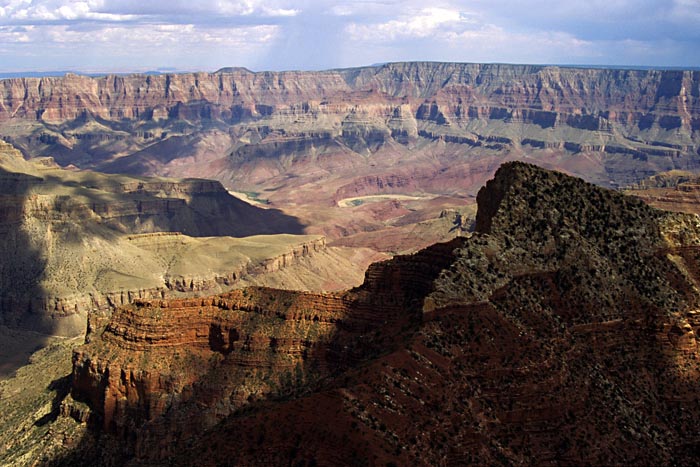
(563, 331)
(75, 242)
(153, 365)
(638, 121)
(590, 99)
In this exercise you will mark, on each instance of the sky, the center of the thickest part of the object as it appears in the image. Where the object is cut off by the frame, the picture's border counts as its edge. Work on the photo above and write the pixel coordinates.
(205, 35)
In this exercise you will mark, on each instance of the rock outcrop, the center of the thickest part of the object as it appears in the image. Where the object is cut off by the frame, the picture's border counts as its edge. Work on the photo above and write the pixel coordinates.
(75, 242)
(564, 331)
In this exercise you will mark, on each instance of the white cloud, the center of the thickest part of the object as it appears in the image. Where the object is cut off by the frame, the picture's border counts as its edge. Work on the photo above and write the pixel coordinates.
(14, 35)
(370, 8)
(57, 11)
(686, 11)
(541, 47)
(12, 6)
(128, 39)
(341, 10)
(115, 11)
(253, 7)
(420, 24)
(274, 34)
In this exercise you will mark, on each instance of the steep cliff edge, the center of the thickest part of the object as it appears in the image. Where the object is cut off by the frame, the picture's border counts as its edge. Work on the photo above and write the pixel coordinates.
(445, 94)
(564, 331)
(79, 241)
(305, 142)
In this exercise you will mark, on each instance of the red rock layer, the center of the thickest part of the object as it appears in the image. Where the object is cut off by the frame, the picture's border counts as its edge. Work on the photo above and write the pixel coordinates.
(366, 107)
(563, 332)
(159, 359)
(546, 95)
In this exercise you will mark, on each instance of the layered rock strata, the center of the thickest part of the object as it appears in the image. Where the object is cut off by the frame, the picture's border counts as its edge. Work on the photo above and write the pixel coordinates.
(79, 241)
(564, 331)
(166, 360)
(638, 120)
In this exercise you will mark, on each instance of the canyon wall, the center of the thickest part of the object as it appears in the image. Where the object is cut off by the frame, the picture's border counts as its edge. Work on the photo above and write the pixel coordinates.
(547, 96)
(305, 142)
(564, 331)
(76, 242)
(638, 121)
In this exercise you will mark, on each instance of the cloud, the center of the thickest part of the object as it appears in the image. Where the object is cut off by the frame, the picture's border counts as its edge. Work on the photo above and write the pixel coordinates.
(316, 34)
(97, 35)
(624, 32)
(47, 11)
(422, 23)
(453, 34)
(249, 7)
(597, 19)
(13, 34)
(686, 12)
(128, 39)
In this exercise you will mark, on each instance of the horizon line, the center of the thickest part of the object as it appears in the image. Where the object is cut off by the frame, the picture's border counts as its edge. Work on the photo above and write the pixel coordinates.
(175, 70)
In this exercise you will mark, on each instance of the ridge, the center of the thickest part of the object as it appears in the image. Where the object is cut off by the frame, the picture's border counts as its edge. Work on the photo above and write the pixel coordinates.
(525, 343)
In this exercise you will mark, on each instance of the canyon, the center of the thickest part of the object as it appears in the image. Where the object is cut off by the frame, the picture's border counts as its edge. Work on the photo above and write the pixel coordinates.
(79, 242)
(330, 268)
(305, 142)
(563, 331)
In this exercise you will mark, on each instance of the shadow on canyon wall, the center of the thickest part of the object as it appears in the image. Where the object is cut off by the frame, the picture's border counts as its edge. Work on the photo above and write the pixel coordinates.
(609, 393)
(574, 346)
(33, 225)
(375, 320)
(23, 328)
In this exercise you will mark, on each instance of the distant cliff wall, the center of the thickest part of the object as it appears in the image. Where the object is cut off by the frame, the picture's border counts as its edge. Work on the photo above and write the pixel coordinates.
(588, 99)
(623, 114)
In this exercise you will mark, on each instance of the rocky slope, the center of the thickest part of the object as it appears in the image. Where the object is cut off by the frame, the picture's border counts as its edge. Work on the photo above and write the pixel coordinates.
(31, 402)
(79, 241)
(564, 331)
(303, 141)
(674, 191)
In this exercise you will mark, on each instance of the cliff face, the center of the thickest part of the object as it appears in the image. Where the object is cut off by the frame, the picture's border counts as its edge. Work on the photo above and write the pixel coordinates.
(305, 142)
(636, 119)
(74, 242)
(564, 331)
(588, 99)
